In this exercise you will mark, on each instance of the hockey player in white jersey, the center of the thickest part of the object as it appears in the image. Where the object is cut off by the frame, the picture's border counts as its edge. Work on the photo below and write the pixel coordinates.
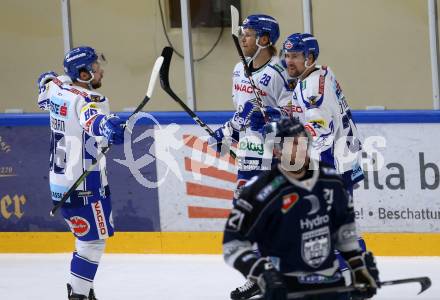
(81, 124)
(258, 35)
(323, 108)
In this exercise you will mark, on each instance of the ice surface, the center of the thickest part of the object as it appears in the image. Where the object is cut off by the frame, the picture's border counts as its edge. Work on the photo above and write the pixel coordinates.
(168, 277)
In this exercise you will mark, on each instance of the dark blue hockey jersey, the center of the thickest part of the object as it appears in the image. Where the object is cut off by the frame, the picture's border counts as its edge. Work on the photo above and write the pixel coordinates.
(299, 223)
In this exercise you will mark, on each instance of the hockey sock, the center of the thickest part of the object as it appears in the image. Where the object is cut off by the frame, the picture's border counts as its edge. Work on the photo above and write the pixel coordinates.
(84, 264)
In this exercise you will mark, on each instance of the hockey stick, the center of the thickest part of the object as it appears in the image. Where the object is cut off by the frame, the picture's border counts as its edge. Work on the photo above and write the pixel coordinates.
(234, 30)
(153, 78)
(425, 283)
(165, 83)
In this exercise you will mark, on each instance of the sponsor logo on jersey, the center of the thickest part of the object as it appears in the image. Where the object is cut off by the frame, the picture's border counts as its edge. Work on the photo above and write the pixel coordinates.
(57, 195)
(290, 108)
(356, 172)
(321, 84)
(267, 190)
(57, 125)
(310, 129)
(253, 147)
(315, 246)
(240, 185)
(317, 221)
(314, 202)
(236, 74)
(57, 81)
(248, 89)
(84, 193)
(317, 278)
(89, 113)
(100, 219)
(58, 107)
(239, 120)
(78, 92)
(248, 164)
(288, 202)
(79, 225)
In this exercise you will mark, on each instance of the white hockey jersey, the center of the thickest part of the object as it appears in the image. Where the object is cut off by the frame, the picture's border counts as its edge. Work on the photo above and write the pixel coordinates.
(75, 114)
(270, 82)
(326, 114)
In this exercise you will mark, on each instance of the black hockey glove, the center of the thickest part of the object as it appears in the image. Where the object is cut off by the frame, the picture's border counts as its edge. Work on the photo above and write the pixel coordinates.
(364, 271)
(269, 280)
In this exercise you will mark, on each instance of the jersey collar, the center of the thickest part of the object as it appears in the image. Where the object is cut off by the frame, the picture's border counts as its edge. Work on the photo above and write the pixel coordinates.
(307, 184)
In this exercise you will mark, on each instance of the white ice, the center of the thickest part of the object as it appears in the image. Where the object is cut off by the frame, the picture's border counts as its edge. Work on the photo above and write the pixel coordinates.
(169, 277)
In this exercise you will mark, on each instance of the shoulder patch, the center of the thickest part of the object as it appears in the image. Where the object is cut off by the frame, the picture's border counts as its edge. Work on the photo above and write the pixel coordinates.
(95, 98)
(270, 187)
(278, 67)
(291, 84)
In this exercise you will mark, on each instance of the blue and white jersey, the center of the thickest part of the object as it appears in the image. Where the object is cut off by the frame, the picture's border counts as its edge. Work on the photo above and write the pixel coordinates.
(270, 82)
(327, 116)
(75, 114)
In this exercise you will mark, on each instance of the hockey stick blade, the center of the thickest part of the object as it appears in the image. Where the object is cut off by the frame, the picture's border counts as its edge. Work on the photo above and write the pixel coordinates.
(302, 294)
(425, 282)
(234, 20)
(153, 78)
(165, 83)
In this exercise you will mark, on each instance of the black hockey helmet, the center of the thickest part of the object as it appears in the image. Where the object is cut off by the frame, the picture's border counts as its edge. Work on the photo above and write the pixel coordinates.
(285, 127)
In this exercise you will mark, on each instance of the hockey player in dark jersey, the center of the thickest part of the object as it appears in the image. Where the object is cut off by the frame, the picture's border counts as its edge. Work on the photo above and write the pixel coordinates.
(297, 213)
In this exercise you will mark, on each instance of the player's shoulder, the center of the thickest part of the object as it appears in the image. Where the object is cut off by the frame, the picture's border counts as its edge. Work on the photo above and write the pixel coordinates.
(238, 70)
(313, 86)
(260, 187)
(276, 67)
(89, 96)
(328, 172)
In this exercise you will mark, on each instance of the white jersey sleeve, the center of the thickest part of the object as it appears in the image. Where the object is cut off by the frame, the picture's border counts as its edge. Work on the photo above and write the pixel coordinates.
(328, 118)
(43, 97)
(91, 110)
